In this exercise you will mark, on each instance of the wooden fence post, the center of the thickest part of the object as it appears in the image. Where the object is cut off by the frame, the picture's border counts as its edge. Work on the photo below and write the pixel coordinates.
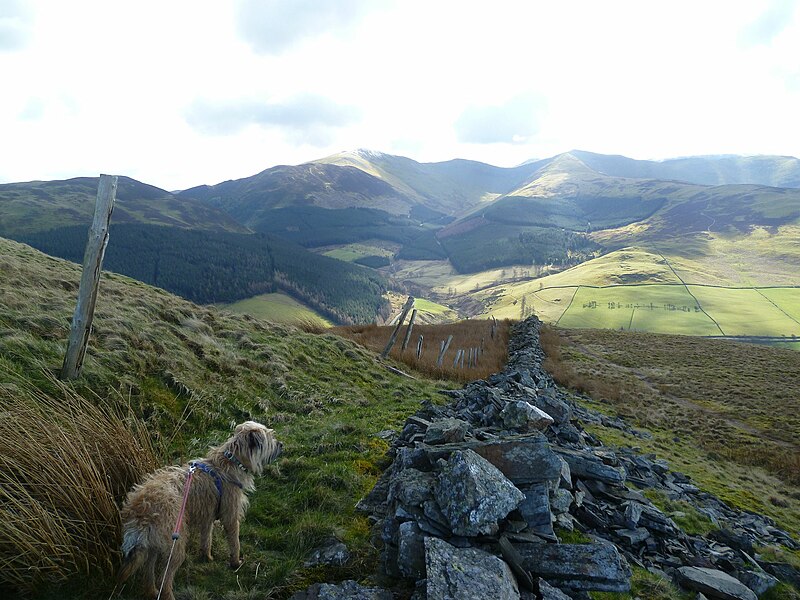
(81, 326)
(409, 303)
(458, 355)
(408, 331)
(419, 348)
(445, 346)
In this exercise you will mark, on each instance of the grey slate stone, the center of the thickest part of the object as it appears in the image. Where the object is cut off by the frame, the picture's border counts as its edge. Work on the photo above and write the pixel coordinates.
(466, 574)
(411, 487)
(578, 566)
(560, 501)
(334, 553)
(549, 592)
(535, 509)
(514, 560)
(633, 537)
(446, 431)
(525, 417)
(565, 481)
(633, 512)
(523, 459)
(586, 465)
(549, 402)
(714, 584)
(473, 494)
(758, 581)
(411, 551)
(347, 590)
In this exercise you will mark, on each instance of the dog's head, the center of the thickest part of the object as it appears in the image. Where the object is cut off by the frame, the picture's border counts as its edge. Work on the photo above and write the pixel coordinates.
(255, 445)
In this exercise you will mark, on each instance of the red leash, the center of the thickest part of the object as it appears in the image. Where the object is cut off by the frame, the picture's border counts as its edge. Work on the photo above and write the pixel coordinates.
(177, 532)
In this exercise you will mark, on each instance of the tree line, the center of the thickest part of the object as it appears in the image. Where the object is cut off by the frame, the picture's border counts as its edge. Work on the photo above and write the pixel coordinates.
(218, 267)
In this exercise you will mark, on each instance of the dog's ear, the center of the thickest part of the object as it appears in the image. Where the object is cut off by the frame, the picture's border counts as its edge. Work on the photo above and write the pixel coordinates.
(254, 439)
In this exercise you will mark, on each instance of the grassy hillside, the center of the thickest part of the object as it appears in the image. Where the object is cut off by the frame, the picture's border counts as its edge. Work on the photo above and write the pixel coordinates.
(43, 205)
(723, 412)
(182, 375)
(278, 308)
(188, 373)
(320, 185)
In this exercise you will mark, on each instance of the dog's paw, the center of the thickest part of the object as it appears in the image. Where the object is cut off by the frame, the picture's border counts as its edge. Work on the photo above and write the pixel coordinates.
(206, 557)
(235, 564)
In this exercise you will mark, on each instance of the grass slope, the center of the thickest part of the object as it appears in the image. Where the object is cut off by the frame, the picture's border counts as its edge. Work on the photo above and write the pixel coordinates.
(189, 373)
(727, 414)
(278, 308)
(641, 289)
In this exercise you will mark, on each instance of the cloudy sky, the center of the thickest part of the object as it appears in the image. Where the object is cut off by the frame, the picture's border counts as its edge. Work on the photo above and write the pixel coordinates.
(178, 93)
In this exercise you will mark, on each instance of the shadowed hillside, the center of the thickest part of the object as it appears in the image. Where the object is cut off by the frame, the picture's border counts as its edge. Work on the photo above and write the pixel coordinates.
(209, 267)
(43, 205)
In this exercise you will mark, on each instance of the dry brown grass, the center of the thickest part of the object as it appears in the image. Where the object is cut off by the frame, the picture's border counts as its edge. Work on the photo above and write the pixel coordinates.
(65, 463)
(738, 401)
(466, 335)
(310, 325)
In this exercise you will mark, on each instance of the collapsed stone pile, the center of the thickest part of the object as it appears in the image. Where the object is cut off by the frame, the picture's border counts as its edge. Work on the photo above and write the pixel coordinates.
(468, 507)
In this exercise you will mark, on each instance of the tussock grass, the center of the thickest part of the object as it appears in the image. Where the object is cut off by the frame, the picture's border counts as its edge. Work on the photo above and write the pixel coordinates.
(466, 335)
(65, 463)
(726, 413)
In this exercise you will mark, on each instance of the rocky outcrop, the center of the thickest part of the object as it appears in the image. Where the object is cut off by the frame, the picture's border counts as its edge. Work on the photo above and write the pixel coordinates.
(494, 475)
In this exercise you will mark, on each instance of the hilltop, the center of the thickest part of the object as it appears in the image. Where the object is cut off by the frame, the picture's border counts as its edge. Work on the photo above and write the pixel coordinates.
(476, 238)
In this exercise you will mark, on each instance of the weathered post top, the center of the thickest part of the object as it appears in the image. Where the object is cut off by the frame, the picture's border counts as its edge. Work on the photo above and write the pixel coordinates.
(90, 278)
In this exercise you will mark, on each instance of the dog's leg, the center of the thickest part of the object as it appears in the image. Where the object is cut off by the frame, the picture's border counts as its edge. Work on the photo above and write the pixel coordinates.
(149, 574)
(231, 526)
(178, 556)
(206, 528)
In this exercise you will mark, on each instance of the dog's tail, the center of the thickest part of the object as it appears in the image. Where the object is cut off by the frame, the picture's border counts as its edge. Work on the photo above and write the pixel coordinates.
(133, 552)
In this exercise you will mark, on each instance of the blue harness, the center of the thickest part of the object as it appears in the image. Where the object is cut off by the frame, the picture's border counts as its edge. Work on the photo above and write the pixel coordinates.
(209, 471)
(217, 479)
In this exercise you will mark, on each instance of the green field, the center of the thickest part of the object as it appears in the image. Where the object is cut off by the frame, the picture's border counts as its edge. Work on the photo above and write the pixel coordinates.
(423, 305)
(748, 312)
(788, 299)
(698, 310)
(654, 308)
(352, 252)
(278, 308)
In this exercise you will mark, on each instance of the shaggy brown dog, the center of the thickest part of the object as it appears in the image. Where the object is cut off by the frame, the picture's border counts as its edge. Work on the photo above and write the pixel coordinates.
(217, 492)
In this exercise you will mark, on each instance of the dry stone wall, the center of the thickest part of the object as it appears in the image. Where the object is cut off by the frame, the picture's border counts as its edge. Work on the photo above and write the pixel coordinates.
(478, 489)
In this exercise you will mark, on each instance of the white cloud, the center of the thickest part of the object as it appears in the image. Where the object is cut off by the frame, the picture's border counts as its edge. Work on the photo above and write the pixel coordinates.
(196, 91)
(274, 26)
(307, 118)
(776, 16)
(513, 122)
(15, 25)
